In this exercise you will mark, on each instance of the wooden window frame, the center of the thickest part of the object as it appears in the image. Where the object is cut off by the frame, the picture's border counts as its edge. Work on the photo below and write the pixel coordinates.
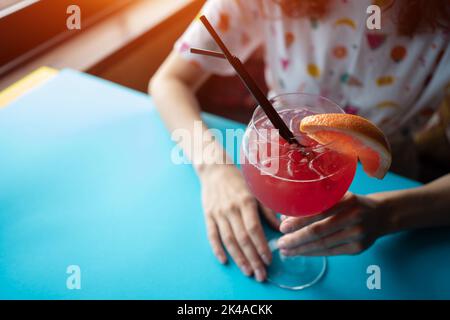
(41, 25)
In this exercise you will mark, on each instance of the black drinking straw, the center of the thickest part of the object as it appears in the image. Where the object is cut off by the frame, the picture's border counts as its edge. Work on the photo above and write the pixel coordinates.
(249, 82)
(210, 53)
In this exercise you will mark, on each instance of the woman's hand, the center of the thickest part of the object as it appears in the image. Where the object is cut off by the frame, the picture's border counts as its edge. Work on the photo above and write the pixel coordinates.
(350, 227)
(232, 220)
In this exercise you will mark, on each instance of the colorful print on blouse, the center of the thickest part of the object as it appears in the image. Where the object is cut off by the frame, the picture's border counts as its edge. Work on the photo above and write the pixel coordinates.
(387, 78)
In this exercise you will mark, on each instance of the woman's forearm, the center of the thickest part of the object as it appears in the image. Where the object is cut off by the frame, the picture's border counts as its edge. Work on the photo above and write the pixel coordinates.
(421, 207)
(178, 106)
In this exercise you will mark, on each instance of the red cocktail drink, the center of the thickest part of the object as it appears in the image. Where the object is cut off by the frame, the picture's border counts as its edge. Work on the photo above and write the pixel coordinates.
(294, 180)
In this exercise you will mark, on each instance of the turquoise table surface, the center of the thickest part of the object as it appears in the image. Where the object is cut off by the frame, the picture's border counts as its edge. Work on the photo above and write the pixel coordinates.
(86, 179)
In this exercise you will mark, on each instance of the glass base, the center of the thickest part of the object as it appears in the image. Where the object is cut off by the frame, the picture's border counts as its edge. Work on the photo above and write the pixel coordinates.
(294, 273)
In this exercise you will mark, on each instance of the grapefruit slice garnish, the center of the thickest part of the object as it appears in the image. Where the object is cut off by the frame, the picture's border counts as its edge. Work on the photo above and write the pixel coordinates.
(354, 135)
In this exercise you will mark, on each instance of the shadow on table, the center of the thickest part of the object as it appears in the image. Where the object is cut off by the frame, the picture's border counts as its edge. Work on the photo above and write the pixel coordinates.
(418, 262)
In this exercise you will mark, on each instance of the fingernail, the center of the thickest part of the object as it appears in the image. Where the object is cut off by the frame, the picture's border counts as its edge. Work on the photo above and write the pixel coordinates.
(222, 259)
(266, 259)
(281, 243)
(285, 227)
(284, 252)
(260, 275)
(246, 270)
(283, 217)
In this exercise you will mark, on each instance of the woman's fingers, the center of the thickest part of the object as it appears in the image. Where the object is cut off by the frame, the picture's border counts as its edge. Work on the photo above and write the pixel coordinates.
(230, 243)
(328, 245)
(348, 248)
(291, 224)
(318, 229)
(247, 246)
(214, 240)
(254, 228)
(270, 216)
(354, 247)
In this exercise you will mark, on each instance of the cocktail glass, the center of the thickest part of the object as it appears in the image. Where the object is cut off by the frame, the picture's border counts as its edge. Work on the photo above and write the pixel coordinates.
(294, 180)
